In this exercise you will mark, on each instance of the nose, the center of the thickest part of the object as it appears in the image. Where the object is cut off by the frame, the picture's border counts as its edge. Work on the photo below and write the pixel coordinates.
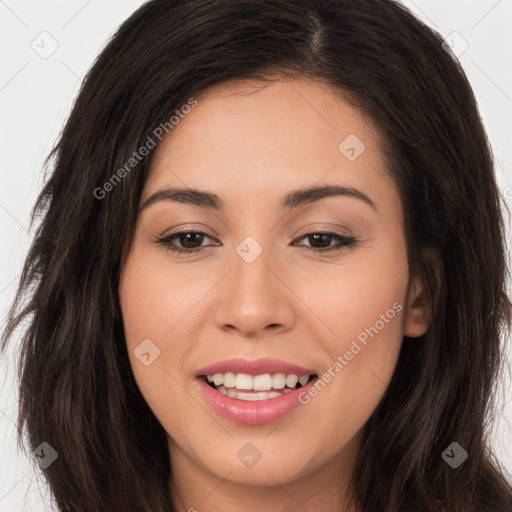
(255, 299)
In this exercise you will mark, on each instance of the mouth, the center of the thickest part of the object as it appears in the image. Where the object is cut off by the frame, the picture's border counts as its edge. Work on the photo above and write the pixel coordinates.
(266, 386)
(254, 391)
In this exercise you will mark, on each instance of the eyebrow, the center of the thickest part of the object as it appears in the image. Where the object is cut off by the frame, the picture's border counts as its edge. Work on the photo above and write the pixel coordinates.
(293, 199)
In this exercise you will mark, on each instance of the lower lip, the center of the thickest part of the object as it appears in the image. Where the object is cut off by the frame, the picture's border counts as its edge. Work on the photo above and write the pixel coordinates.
(258, 412)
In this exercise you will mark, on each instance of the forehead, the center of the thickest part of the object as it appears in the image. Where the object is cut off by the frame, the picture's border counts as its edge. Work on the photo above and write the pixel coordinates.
(253, 135)
(238, 110)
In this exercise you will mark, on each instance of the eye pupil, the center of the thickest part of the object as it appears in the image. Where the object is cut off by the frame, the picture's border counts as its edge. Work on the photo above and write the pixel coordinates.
(323, 237)
(191, 237)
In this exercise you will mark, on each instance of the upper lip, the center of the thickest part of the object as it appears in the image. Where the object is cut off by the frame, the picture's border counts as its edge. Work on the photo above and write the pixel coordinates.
(255, 367)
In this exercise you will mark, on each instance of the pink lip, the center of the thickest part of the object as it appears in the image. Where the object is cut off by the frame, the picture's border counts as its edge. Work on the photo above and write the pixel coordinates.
(255, 367)
(252, 413)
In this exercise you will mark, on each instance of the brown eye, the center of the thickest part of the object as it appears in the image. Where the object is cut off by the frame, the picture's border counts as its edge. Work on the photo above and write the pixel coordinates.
(321, 242)
(190, 241)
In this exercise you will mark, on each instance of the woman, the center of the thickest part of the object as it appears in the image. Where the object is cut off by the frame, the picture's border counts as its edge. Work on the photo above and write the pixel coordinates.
(270, 272)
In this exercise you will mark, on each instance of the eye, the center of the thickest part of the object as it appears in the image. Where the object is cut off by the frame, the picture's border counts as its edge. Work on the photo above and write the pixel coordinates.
(191, 241)
(323, 239)
(188, 239)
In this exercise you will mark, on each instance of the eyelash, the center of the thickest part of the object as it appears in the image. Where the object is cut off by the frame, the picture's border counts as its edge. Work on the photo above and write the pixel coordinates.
(345, 241)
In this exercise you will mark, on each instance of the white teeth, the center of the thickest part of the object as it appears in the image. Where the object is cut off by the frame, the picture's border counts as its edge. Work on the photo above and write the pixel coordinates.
(243, 381)
(303, 380)
(263, 382)
(229, 380)
(279, 381)
(291, 380)
(251, 397)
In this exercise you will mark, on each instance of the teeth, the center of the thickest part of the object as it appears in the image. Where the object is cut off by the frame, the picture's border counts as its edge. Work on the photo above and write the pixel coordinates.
(229, 380)
(279, 381)
(304, 380)
(264, 382)
(291, 380)
(243, 381)
(252, 397)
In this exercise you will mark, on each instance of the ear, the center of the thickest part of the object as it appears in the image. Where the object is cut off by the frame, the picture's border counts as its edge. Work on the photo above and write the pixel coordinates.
(420, 305)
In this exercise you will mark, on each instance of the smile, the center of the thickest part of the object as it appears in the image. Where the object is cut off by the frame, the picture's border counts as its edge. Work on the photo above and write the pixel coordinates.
(242, 386)
(254, 392)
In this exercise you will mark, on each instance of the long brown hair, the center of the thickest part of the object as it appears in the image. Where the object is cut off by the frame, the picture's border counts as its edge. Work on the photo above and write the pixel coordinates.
(112, 451)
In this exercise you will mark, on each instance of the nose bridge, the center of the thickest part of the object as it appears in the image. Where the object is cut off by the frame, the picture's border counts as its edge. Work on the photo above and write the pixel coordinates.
(252, 274)
(254, 298)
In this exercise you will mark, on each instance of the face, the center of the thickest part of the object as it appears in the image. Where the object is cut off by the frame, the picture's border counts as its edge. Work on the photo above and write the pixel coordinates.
(316, 280)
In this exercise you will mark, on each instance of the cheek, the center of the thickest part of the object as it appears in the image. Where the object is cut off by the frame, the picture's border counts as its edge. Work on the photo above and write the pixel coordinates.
(147, 317)
(350, 297)
(362, 303)
(156, 297)
(158, 315)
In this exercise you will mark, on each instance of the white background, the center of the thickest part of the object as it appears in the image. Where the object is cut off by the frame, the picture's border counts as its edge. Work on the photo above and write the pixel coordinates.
(35, 98)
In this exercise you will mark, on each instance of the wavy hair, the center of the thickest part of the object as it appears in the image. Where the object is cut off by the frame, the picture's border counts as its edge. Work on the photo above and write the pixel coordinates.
(113, 454)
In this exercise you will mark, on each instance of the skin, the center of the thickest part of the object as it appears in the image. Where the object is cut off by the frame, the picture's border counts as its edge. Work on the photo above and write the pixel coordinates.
(251, 144)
